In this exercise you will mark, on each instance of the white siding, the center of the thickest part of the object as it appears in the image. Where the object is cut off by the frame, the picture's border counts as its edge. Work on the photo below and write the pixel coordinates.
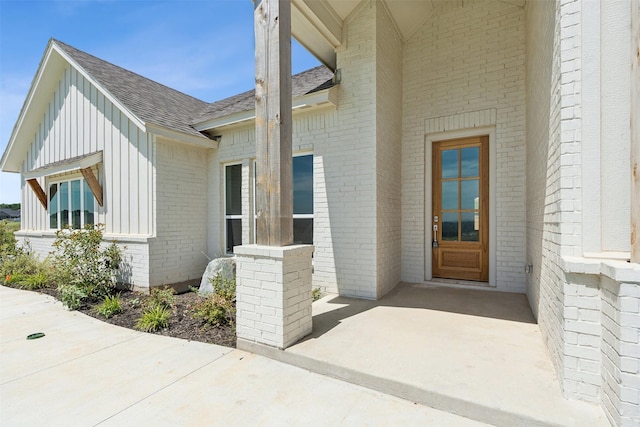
(80, 120)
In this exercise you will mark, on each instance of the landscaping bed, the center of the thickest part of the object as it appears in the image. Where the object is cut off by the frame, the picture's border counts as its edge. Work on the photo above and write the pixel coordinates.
(81, 274)
(181, 323)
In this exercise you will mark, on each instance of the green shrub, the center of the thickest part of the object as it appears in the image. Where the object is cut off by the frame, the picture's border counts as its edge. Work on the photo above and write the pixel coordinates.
(316, 294)
(162, 298)
(71, 296)
(214, 310)
(110, 306)
(218, 308)
(23, 270)
(81, 261)
(16, 280)
(7, 240)
(153, 319)
(225, 288)
(38, 280)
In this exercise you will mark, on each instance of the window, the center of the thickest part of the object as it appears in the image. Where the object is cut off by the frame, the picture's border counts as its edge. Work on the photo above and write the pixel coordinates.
(302, 199)
(233, 206)
(71, 204)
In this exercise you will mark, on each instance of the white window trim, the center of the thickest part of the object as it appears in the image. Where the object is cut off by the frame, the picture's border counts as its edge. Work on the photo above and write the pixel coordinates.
(69, 179)
(224, 204)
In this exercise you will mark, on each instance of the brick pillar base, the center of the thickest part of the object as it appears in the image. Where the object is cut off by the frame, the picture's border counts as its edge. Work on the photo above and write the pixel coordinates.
(273, 294)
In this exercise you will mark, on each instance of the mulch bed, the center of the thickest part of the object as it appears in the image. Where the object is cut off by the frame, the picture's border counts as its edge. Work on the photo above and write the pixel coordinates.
(181, 324)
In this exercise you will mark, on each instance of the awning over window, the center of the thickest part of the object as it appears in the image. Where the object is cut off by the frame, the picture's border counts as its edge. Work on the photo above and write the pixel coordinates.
(67, 165)
(82, 163)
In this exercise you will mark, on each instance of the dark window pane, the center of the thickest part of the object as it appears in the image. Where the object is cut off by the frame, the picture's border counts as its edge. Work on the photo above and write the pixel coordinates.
(88, 204)
(450, 226)
(303, 231)
(303, 185)
(469, 194)
(53, 206)
(450, 164)
(64, 204)
(233, 190)
(449, 195)
(470, 226)
(470, 161)
(234, 234)
(75, 204)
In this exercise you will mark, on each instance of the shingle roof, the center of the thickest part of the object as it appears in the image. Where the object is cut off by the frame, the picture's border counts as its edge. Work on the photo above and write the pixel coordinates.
(157, 104)
(310, 81)
(150, 101)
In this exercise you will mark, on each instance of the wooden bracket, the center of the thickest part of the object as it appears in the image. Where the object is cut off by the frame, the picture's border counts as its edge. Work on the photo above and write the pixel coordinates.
(40, 194)
(93, 183)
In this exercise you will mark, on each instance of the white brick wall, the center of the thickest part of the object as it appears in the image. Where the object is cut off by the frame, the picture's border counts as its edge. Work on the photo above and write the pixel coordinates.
(181, 214)
(467, 59)
(135, 251)
(544, 286)
(388, 151)
(621, 351)
(343, 145)
(273, 294)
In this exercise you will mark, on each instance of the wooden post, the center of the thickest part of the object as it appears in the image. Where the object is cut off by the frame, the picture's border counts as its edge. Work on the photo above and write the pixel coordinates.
(635, 131)
(274, 185)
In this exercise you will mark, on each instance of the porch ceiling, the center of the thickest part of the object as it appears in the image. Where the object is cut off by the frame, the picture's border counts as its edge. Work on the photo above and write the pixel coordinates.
(318, 24)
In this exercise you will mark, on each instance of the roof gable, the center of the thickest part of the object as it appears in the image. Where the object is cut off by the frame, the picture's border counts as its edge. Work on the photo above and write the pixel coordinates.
(144, 101)
(151, 102)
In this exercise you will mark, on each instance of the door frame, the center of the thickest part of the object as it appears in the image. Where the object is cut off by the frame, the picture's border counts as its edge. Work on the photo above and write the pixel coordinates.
(428, 208)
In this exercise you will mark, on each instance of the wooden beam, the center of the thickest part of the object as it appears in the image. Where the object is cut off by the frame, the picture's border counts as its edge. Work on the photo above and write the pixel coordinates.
(93, 183)
(40, 194)
(635, 131)
(274, 184)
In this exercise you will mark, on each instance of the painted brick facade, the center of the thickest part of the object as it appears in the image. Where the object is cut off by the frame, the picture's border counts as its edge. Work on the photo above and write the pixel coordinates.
(585, 302)
(388, 152)
(273, 294)
(463, 60)
(176, 253)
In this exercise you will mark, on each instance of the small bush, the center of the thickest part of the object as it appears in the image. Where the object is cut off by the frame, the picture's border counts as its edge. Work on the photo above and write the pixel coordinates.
(153, 319)
(7, 240)
(225, 288)
(38, 280)
(71, 296)
(110, 306)
(316, 294)
(162, 298)
(80, 261)
(218, 308)
(214, 310)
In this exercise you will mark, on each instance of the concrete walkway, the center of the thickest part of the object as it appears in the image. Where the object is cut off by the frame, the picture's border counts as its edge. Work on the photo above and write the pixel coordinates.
(475, 353)
(86, 373)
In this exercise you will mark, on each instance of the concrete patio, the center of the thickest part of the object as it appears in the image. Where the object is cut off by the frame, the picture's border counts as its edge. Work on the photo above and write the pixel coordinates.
(474, 353)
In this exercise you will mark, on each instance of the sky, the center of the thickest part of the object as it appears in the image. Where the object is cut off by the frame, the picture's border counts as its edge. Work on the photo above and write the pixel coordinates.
(201, 47)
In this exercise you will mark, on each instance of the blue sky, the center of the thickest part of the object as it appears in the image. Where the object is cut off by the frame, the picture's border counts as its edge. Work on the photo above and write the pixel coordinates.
(200, 47)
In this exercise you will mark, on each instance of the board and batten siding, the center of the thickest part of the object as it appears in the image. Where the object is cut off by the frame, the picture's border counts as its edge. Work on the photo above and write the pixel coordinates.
(80, 120)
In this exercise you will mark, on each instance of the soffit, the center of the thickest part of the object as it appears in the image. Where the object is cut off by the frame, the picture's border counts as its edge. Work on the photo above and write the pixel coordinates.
(318, 24)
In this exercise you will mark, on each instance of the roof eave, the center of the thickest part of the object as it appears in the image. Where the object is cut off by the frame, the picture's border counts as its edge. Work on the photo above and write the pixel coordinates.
(184, 138)
(326, 97)
(51, 66)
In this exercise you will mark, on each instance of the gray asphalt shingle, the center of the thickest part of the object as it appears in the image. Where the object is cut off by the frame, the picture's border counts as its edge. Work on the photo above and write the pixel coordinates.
(158, 104)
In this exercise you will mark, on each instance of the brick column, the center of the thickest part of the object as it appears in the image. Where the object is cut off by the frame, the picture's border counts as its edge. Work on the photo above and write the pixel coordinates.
(273, 287)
